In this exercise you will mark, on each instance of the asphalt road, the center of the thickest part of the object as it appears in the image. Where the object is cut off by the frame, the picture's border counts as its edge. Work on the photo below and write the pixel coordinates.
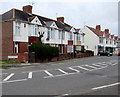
(85, 76)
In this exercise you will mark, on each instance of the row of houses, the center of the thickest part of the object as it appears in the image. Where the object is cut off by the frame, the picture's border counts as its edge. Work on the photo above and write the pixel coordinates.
(20, 28)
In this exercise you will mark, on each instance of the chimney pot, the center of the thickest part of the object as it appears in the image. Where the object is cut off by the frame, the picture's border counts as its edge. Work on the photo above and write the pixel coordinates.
(106, 30)
(27, 8)
(98, 27)
(60, 19)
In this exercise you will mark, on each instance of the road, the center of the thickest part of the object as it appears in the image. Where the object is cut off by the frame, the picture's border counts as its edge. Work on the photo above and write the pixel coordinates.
(85, 76)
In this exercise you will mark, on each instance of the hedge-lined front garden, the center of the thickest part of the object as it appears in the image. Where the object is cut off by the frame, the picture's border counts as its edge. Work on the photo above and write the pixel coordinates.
(43, 51)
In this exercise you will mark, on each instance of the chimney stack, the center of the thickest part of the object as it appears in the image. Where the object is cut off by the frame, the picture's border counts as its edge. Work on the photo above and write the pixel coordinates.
(106, 30)
(98, 27)
(60, 19)
(27, 8)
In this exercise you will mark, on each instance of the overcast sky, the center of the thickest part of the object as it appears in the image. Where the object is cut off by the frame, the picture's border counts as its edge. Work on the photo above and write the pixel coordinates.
(77, 13)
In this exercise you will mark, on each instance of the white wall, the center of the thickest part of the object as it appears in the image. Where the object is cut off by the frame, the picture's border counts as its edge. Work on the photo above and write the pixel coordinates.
(91, 40)
(23, 36)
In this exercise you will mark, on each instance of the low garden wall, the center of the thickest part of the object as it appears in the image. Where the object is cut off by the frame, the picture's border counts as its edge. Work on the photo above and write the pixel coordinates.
(20, 57)
(66, 56)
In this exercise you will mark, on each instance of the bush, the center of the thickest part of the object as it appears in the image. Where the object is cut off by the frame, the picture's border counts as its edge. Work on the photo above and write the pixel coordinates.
(89, 51)
(43, 51)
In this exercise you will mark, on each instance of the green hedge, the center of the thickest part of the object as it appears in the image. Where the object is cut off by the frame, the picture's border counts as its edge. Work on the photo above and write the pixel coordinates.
(43, 51)
(89, 51)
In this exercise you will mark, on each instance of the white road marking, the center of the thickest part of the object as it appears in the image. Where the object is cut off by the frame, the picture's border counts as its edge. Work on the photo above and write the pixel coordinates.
(8, 77)
(30, 75)
(59, 75)
(91, 66)
(114, 64)
(83, 68)
(48, 73)
(97, 65)
(14, 81)
(105, 86)
(73, 69)
(62, 71)
(102, 64)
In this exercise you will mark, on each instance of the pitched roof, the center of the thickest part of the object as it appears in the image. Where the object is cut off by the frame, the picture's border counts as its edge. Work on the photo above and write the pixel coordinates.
(77, 30)
(97, 32)
(21, 15)
(7, 15)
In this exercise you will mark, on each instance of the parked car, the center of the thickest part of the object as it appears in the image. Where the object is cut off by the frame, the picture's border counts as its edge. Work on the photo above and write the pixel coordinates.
(104, 53)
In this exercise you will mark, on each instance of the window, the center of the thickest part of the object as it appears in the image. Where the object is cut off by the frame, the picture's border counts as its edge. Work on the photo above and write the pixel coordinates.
(78, 37)
(48, 35)
(63, 35)
(114, 42)
(107, 40)
(59, 34)
(101, 40)
(110, 41)
(78, 48)
(52, 33)
(17, 28)
(70, 48)
(70, 35)
(36, 30)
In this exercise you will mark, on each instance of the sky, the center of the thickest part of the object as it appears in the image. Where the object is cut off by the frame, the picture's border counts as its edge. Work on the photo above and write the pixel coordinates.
(77, 13)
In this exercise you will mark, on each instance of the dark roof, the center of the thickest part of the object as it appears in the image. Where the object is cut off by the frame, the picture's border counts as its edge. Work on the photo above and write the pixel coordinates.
(61, 25)
(49, 23)
(97, 32)
(7, 15)
(27, 17)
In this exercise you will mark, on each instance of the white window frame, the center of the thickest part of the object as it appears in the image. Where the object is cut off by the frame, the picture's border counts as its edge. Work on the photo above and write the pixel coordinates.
(17, 28)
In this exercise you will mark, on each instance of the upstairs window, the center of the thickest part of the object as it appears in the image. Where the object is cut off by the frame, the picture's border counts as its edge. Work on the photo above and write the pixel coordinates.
(110, 41)
(101, 40)
(52, 33)
(36, 30)
(114, 42)
(70, 35)
(17, 28)
(63, 35)
(48, 35)
(59, 34)
(78, 37)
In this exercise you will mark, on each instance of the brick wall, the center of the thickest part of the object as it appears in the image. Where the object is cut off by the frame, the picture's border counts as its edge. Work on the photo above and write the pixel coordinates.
(21, 57)
(23, 47)
(7, 39)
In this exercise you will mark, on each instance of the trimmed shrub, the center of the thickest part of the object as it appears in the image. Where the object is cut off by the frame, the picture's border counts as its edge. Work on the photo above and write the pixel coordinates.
(43, 51)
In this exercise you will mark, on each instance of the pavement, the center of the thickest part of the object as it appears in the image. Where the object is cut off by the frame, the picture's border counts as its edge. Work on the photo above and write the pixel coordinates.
(85, 76)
